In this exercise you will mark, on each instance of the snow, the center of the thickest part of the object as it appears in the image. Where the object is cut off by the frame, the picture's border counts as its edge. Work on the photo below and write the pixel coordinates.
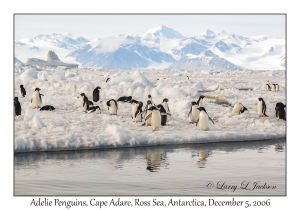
(68, 128)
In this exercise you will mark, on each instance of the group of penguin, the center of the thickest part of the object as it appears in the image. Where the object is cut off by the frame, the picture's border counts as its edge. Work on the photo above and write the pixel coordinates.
(154, 115)
(36, 100)
(273, 87)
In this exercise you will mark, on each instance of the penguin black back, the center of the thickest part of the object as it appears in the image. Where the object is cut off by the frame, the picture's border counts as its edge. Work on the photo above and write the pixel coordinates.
(163, 114)
(124, 99)
(96, 94)
(17, 106)
(280, 111)
(22, 91)
(85, 101)
(264, 106)
(47, 108)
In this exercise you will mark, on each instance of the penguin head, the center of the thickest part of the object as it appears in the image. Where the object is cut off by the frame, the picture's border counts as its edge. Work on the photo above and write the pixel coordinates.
(244, 109)
(161, 108)
(98, 87)
(152, 108)
(129, 98)
(149, 96)
(133, 101)
(201, 97)
(193, 103)
(82, 94)
(16, 99)
(201, 109)
(260, 99)
(21, 86)
(97, 107)
(37, 89)
(165, 100)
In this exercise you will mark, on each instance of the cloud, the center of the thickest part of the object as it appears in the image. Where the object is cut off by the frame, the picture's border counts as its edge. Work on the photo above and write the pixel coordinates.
(110, 44)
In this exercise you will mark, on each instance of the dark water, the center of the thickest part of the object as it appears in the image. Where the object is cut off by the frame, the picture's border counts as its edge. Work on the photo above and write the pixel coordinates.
(194, 169)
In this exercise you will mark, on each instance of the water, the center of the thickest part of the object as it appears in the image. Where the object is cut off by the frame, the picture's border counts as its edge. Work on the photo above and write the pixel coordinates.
(192, 169)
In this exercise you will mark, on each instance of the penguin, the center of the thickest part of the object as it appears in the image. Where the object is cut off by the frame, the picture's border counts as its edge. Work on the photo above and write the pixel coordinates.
(138, 114)
(261, 107)
(268, 86)
(273, 87)
(155, 118)
(108, 79)
(124, 99)
(150, 98)
(163, 114)
(166, 106)
(112, 106)
(238, 109)
(280, 111)
(194, 113)
(203, 122)
(200, 100)
(17, 106)
(94, 109)
(47, 108)
(85, 102)
(146, 112)
(133, 108)
(96, 94)
(91, 103)
(36, 99)
(276, 87)
(22, 91)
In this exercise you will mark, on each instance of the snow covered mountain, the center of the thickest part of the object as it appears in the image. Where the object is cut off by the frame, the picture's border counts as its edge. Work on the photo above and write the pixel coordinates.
(160, 46)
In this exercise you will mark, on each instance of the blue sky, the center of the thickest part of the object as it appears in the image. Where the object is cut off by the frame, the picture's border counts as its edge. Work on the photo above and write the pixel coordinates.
(100, 25)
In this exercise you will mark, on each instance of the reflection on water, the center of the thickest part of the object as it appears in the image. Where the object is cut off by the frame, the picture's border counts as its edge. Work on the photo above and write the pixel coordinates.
(182, 169)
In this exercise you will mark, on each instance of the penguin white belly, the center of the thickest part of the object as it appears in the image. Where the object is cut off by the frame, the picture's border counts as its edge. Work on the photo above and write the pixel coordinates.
(138, 118)
(133, 111)
(267, 87)
(112, 108)
(20, 92)
(97, 111)
(277, 88)
(236, 109)
(155, 119)
(273, 87)
(84, 108)
(203, 121)
(200, 103)
(148, 121)
(166, 107)
(36, 100)
(259, 109)
(194, 116)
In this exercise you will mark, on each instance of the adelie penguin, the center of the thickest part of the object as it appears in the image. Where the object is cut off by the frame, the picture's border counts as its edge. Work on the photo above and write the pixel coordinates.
(276, 87)
(238, 109)
(22, 91)
(280, 111)
(163, 114)
(94, 110)
(273, 87)
(138, 114)
(96, 94)
(150, 99)
(125, 99)
(200, 100)
(147, 112)
(268, 86)
(17, 106)
(194, 113)
(261, 108)
(166, 106)
(112, 106)
(203, 121)
(84, 102)
(134, 104)
(36, 99)
(155, 118)
(47, 108)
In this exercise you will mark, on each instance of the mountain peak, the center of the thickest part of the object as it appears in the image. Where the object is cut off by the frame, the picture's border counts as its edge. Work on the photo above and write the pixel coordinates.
(162, 31)
(208, 32)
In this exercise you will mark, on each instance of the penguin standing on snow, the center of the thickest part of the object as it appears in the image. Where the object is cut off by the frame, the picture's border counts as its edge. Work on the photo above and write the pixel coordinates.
(163, 114)
(280, 111)
(238, 109)
(96, 94)
(276, 87)
(47, 108)
(112, 106)
(261, 107)
(273, 87)
(150, 98)
(22, 91)
(155, 118)
(138, 114)
(147, 112)
(200, 100)
(166, 106)
(194, 113)
(268, 86)
(203, 122)
(134, 104)
(36, 99)
(94, 109)
(17, 106)
(84, 102)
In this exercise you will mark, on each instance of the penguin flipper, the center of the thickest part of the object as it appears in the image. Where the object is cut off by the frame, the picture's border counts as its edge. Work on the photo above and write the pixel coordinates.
(211, 120)
(150, 115)
(31, 100)
(197, 122)
(190, 112)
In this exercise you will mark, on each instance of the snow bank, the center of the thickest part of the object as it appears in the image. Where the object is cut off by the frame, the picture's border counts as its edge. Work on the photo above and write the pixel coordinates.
(29, 75)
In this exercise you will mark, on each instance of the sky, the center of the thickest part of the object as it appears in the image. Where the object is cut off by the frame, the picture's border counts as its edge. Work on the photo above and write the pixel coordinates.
(91, 26)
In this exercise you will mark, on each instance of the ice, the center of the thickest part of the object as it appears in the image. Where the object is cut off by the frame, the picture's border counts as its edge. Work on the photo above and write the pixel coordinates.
(69, 128)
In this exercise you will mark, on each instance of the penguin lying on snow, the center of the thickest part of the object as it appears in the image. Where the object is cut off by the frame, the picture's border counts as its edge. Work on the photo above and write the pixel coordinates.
(17, 106)
(238, 109)
(280, 111)
(194, 113)
(124, 99)
(22, 91)
(203, 122)
(94, 109)
(261, 107)
(112, 106)
(47, 108)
